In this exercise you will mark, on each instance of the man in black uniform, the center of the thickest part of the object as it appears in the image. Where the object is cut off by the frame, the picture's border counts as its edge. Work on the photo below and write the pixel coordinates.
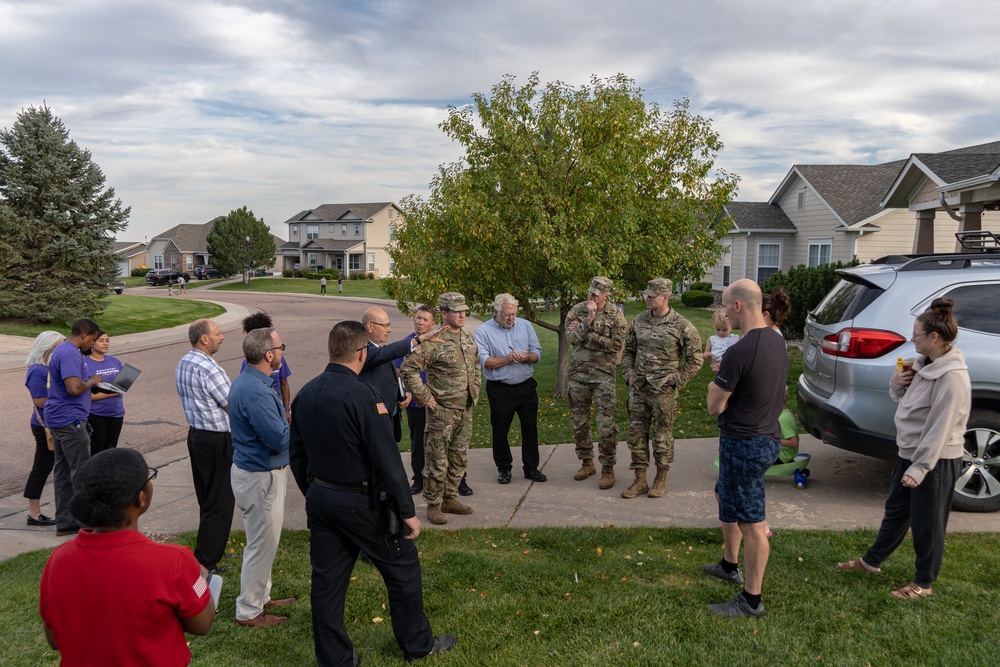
(341, 442)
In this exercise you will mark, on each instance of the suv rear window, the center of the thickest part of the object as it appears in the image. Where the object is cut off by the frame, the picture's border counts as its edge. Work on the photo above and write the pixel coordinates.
(845, 300)
(977, 307)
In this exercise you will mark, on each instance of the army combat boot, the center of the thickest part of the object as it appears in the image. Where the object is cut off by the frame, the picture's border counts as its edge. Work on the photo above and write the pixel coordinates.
(638, 487)
(452, 506)
(607, 477)
(435, 516)
(586, 470)
(659, 484)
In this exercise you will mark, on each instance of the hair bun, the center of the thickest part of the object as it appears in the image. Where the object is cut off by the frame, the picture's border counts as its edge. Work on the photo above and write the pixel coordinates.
(942, 303)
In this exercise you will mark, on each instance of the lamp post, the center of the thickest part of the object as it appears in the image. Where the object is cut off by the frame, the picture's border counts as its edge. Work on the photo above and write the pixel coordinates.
(248, 261)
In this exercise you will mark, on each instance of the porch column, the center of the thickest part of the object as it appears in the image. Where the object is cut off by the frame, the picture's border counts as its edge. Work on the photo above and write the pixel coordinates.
(923, 236)
(972, 221)
(347, 264)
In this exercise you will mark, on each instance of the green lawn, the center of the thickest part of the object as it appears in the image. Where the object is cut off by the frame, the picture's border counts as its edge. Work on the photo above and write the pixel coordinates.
(371, 289)
(693, 420)
(131, 314)
(601, 597)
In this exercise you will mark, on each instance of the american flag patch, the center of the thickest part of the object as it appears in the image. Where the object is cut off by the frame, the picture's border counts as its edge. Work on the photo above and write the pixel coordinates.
(200, 586)
(381, 409)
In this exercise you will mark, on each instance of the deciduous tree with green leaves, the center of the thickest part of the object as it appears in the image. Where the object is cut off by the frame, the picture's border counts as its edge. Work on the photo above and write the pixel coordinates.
(227, 242)
(57, 223)
(559, 184)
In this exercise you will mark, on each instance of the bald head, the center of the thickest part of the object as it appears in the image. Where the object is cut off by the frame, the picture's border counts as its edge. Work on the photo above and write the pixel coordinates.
(741, 301)
(376, 323)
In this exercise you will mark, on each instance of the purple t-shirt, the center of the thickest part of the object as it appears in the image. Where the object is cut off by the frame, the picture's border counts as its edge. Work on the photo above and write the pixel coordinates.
(37, 382)
(276, 376)
(113, 405)
(61, 408)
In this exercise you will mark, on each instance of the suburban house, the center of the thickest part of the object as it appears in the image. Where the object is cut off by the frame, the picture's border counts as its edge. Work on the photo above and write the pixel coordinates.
(821, 214)
(131, 255)
(351, 238)
(184, 247)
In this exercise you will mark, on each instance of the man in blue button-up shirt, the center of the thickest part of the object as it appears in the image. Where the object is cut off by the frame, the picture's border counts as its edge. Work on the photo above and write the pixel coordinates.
(508, 352)
(260, 457)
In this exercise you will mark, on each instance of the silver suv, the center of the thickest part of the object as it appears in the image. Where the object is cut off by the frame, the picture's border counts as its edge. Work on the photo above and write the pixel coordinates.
(853, 337)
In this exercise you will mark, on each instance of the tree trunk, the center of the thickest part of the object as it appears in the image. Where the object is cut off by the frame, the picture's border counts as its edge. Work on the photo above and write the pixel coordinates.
(565, 351)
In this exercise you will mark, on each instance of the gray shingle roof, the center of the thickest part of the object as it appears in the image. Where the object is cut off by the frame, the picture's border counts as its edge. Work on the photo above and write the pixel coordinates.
(331, 244)
(852, 191)
(749, 215)
(333, 212)
(134, 247)
(954, 167)
(189, 238)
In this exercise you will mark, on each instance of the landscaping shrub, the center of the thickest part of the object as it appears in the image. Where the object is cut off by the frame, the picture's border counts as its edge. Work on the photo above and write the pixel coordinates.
(806, 287)
(139, 273)
(287, 273)
(697, 299)
(701, 287)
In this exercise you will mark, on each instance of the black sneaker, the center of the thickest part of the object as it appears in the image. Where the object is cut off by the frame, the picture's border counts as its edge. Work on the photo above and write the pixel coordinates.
(443, 643)
(738, 606)
(534, 475)
(715, 569)
(503, 476)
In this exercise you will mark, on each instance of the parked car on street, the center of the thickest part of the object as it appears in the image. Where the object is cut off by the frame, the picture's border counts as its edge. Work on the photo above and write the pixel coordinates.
(116, 286)
(164, 276)
(206, 271)
(854, 336)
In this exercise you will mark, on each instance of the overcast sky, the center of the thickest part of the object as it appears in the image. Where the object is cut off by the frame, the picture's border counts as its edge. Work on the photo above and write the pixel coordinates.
(193, 109)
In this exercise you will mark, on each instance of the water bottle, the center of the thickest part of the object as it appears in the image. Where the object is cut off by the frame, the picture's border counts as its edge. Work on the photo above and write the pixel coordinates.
(800, 479)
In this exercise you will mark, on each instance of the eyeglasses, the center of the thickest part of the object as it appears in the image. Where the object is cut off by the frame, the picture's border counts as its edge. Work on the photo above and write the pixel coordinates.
(387, 324)
(280, 347)
(361, 348)
(152, 476)
(920, 333)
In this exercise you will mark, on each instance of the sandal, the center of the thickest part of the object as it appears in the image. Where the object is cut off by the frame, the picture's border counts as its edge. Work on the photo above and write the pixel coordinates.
(858, 565)
(911, 592)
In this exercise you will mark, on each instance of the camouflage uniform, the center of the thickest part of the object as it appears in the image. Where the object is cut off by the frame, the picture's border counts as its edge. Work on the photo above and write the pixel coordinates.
(592, 378)
(453, 380)
(651, 364)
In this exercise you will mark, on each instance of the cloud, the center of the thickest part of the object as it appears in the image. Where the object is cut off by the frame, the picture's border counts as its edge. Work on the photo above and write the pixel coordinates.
(193, 108)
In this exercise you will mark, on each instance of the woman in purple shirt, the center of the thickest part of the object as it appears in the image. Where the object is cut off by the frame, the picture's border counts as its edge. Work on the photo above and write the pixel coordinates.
(107, 411)
(37, 382)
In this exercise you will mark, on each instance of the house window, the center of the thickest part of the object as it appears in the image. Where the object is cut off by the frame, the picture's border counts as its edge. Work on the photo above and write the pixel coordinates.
(343, 230)
(355, 263)
(295, 230)
(357, 229)
(188, 263)
(330, 229)
(727, 264)
(157, 261)
(392, 266)
(392, 232)
(312, 232)
(801, 203)
(768, 261)
(819, 252)
(371, 261)
(312, 259)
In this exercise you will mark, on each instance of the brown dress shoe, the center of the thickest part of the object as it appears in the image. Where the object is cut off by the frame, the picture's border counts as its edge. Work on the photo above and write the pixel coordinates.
(262, 620)
(279, 603)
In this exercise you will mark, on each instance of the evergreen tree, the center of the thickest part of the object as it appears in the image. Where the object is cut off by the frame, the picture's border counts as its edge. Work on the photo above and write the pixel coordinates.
(57, 223)
(227, 245)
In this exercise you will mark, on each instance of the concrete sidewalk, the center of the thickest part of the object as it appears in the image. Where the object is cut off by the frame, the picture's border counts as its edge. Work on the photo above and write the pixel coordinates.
(845, 491)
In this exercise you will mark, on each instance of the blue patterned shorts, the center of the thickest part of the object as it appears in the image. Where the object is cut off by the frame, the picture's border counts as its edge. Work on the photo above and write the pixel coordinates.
(742, 464)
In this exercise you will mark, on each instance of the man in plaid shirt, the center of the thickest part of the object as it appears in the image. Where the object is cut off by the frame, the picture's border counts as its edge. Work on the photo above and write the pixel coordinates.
(203, 388)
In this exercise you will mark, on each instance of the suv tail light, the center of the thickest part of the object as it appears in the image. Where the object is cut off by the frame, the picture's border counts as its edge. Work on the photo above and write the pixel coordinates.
(861, 343)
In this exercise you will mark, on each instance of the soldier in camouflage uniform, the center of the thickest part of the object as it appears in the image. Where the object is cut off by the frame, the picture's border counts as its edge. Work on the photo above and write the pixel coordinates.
(656, 342)
(452, 389)
(596, 330)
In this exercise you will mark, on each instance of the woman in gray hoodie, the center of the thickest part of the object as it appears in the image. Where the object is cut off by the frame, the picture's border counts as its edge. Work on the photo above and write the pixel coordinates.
(934, 396)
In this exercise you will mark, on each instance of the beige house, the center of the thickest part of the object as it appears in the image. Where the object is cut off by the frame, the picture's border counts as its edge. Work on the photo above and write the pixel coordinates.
(131, 255)
(185, 247)
(821, 214)
(351, 238)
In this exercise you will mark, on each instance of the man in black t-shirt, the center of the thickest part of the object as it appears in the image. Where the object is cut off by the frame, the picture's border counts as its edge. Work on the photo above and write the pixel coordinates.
(748, 396)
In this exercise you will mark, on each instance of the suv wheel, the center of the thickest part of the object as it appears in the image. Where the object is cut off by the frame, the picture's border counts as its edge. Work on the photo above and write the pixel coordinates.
(978, 487)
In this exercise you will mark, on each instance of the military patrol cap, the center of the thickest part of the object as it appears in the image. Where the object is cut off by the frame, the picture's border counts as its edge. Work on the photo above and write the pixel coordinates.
(600, 285)
(657, 286)
(452, 301)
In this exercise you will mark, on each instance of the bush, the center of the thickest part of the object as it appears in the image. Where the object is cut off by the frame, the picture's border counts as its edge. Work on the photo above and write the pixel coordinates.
(701, 287)
(806, 287)
(287, 273)
(139, 273)
(371, 275)
(697, 299)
